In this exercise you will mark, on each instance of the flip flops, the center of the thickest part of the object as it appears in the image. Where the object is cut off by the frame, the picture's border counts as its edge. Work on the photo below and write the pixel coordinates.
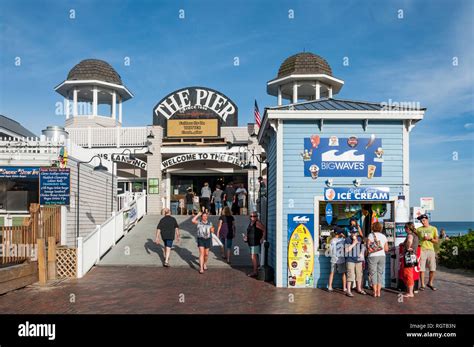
(421, 289)
(432, 287)
(201, 271)
(362, 292)
(350, 295)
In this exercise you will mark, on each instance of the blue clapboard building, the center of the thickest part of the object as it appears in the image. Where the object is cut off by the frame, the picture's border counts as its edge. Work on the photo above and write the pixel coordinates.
(329, 160)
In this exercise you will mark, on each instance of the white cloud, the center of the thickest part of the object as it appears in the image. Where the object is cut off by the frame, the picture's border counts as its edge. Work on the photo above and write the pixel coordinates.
(469, 126)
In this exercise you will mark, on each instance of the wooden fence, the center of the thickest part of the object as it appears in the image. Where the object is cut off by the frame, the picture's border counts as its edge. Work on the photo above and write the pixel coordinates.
(18, 242)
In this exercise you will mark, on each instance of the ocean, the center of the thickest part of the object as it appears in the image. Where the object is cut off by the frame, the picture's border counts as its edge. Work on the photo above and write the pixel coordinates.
(454, 228)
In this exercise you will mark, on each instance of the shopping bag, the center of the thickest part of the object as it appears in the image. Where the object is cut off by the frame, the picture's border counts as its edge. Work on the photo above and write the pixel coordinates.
(216, 241)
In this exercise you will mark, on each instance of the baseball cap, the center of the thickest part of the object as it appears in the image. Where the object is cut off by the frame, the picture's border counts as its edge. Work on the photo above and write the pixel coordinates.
(422, 216)
(338, 230)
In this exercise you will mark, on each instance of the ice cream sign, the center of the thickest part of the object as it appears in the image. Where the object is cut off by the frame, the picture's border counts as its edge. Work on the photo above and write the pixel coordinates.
(357, 194)
(342, 157)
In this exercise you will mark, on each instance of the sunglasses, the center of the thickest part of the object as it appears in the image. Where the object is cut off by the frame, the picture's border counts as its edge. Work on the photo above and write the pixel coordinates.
(253, 216)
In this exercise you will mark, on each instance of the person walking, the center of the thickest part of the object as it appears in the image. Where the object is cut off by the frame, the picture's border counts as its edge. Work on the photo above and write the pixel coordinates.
(217, 199)
(338, 261)
(229, 194)
(226, 232)
(354, 251)
(205, 198)
(204, 238)
(241, 196)
(428, 236)
(377, 246)
(410, 247)
(167, 228)
(255, 236)
(189, 200)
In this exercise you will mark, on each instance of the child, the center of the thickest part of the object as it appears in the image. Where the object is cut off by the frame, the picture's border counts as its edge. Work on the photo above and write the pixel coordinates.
(338, 261)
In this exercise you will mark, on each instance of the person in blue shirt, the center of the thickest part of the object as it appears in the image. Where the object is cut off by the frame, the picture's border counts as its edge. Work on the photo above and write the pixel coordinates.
(354, 252)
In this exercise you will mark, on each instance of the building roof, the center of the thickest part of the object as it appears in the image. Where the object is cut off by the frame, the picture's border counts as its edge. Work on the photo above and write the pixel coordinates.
(304, 63)
(13, 127)
(331, 104)
(94, 69)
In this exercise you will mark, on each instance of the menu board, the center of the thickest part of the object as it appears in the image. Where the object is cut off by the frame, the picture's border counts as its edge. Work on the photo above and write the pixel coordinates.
(300, 250)
(54, 186)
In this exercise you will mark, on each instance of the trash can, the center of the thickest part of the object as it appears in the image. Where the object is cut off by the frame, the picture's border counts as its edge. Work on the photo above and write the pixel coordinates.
(174, 207)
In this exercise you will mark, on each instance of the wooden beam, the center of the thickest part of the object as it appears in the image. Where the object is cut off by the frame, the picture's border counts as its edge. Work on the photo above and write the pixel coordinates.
(42, 268)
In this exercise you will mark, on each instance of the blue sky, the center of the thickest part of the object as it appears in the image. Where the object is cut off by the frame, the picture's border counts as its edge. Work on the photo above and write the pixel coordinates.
(409, 59)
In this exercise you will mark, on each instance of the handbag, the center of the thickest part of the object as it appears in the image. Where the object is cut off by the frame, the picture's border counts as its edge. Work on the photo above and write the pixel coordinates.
(410, 259)
(374, 246)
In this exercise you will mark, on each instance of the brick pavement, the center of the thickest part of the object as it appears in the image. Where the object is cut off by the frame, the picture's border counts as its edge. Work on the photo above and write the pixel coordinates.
(145, 289)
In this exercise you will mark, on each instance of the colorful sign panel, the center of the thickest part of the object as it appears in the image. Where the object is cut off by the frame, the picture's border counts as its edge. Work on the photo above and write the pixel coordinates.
(153, 186)
(130, 216)
(329, 214)
(342, 157)
(427, 204)
(300, 250)
(16, 172)
(54, 186)
(357, 194)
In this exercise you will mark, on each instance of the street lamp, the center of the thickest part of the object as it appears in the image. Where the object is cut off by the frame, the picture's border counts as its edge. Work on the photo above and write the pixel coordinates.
(98, 168)
(131, 156)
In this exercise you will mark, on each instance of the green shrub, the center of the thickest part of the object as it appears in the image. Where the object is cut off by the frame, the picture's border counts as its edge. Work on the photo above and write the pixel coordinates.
(458, 252)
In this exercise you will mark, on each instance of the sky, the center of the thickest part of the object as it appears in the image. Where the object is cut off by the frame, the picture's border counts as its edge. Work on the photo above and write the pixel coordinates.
(404, 51)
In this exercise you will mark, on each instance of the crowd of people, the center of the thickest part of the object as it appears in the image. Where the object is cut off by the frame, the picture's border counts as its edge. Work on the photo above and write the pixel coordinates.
(360, 258)
(225, 231)
(215, 201)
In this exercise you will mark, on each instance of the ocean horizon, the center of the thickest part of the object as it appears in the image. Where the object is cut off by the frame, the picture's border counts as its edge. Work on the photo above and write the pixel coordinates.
(454, 228)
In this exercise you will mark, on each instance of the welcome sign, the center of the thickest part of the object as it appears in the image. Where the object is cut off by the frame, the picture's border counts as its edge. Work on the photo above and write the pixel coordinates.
(342, 157)
(184, 158)
(195, 112)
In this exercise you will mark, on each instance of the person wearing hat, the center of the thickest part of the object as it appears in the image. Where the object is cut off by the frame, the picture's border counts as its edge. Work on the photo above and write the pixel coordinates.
(354, 250)
(428, 236)
(338, 261)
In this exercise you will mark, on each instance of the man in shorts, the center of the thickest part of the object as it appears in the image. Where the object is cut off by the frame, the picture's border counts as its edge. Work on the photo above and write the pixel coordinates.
(168, 228)
(428, 236)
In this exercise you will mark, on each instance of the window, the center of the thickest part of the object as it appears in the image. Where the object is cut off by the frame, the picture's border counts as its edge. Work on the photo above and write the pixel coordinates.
(153, 186)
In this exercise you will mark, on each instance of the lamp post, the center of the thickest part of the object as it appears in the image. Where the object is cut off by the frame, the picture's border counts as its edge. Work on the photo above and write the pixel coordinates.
(131, 156)
(98, 168)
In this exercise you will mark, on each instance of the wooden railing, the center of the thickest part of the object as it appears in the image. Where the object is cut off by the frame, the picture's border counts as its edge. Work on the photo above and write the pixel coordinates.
(17, 245)
(18, 242)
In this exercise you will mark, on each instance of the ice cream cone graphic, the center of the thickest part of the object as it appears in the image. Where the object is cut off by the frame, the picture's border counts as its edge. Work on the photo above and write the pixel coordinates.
(314, 169)
(371, 171)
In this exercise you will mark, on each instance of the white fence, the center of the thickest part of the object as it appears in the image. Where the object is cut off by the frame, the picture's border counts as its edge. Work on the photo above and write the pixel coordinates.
(90, 249)
(108, 137)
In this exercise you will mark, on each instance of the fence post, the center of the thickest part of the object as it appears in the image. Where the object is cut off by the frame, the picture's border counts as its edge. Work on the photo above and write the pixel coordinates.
(79, 255)
(51, 258)
(42, 271)
(98, 243)
(114, 214)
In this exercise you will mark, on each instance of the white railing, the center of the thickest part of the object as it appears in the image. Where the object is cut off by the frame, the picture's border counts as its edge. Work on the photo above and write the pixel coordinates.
(108, 137)
(91, 248)
(124, 200)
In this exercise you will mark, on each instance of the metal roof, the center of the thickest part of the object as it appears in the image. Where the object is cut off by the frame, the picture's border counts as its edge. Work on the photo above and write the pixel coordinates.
(331, 104)
(14, 127)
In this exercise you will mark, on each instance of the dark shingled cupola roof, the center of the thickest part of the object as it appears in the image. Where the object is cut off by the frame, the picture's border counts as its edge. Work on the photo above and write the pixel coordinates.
(94, 69)
(304, 64)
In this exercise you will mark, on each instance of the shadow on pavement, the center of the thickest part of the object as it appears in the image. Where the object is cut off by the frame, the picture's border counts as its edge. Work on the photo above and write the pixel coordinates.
(150, 245)
(187, 256)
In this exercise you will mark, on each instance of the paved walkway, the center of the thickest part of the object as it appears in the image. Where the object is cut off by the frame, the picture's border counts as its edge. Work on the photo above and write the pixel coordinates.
(131, 279)
(138, 247)
(145, 289)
